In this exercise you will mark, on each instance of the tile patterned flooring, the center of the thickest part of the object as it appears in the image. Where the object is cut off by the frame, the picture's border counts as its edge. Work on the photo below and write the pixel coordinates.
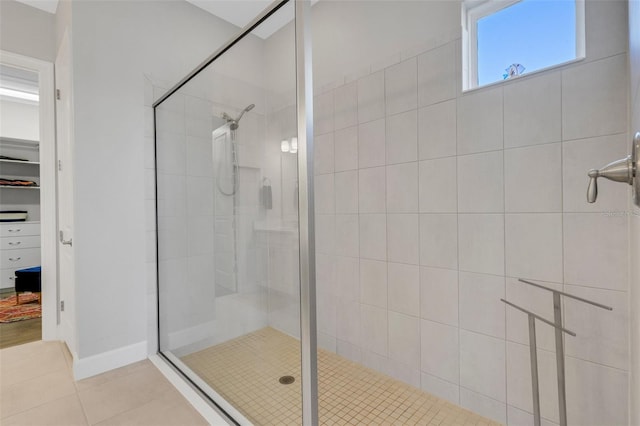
(246, 370)
(37, 388)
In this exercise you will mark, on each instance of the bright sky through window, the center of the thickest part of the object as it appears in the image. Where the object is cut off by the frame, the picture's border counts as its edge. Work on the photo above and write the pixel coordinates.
(533, 33)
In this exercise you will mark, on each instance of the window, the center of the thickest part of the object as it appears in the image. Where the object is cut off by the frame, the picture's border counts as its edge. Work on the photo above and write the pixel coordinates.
(503, 39)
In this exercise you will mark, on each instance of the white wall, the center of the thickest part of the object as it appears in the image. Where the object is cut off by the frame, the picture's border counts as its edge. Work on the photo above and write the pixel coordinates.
(114, 45)
(19, 120)
(27, 30)
(432, 202)
(634, 294)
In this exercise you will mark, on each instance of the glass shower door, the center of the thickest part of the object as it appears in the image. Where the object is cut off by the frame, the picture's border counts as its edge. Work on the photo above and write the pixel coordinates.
(228, 246)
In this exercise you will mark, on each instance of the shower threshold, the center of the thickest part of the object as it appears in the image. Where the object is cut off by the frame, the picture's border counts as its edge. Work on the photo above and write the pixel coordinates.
(246, 371)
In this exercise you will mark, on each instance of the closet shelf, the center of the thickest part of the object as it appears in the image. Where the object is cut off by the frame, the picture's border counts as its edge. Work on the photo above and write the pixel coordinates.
(19, 187)
(35, 163)
(22, 143)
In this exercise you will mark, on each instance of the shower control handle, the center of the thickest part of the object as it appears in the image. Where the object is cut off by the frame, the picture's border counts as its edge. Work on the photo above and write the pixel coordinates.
(623, 170)
(618, 171)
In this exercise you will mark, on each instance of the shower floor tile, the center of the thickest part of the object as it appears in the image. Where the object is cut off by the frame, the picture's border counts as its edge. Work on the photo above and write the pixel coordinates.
(246, 372)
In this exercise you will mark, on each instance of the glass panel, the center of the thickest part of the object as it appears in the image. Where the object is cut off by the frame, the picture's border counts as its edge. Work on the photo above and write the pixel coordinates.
(402, 333)
(228, 226)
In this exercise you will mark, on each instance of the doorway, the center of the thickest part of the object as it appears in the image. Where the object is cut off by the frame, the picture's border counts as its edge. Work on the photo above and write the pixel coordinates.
(27, 144)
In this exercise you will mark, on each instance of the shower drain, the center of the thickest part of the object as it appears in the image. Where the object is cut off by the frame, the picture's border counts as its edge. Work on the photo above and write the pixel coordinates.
(286, 380)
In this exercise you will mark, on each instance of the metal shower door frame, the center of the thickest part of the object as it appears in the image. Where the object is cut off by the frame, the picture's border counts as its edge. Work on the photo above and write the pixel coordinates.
(306, 216)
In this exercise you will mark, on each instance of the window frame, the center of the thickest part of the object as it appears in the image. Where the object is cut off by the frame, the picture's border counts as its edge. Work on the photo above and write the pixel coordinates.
(474, 10)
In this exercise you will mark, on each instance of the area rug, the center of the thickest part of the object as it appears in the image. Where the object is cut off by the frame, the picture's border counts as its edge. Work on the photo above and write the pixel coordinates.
(28, 308)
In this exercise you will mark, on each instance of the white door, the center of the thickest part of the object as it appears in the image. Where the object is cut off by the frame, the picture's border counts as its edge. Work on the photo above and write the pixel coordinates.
(64, 121)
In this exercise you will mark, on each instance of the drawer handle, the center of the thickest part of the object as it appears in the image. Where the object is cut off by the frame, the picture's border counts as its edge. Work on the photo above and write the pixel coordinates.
(12, 278)
(15, 243)
(14, 259)
(15, 230)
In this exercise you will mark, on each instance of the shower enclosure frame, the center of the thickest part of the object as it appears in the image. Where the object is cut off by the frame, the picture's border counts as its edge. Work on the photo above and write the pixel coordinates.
(306, 221)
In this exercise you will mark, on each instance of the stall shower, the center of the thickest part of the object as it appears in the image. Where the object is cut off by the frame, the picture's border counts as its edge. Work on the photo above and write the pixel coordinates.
(431, 201)
(227, 166)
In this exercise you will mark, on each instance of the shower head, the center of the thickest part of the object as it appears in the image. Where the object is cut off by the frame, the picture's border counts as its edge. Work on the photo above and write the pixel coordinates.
(247, 109)
(233, 122)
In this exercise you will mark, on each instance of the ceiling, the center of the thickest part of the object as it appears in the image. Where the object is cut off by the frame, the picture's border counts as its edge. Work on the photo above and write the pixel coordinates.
(241, 12)
(46, 5)
(18, 85)
(237, 12)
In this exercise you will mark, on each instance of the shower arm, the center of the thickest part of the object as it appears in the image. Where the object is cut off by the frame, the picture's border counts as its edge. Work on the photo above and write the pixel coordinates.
(624, 170)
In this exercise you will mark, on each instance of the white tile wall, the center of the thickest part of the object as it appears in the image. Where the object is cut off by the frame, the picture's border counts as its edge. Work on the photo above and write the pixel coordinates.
(346, 149)
(602, 336)
(371, 97)
(481, 404)
(438, 185)
(373, 323)
(347, 278)
(403, 288)
(520, 417)
(482, 361)
(437, 130)
(325, 233)
(440, 351)
(437, 75)
(596, 394)
(480, 123)
(533, 179)
(608, 28)
(519, 380)
(533, 246)
(346, 192)
(402, 188)
(323, 154)
(439, 295)
(480, 308)
(373, 282)
(540, 302)
(401, 82)
(372, 193)
(323, 113)
(480, 183)
(481, 243)
(345, 112)
(439, 240)
(172, 153)
(532, 112)
(403, 238)
(402, 137)
(373, 236)
(596, 89)
(324, 193)
(348, 321)
(371, 144)
(347, 235)
(404, 339)
(454, 196)
(585, 261)
(440, 388)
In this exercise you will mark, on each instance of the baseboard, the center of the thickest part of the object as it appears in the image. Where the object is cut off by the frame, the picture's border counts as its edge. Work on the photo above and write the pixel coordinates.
(96, 364)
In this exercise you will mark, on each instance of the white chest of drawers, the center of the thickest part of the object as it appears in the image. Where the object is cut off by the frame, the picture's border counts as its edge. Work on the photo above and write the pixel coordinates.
(19, 248)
